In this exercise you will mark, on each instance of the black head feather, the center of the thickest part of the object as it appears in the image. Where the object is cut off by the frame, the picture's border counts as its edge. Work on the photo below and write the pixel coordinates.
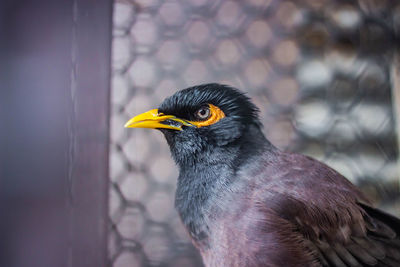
(191, 143)
(231, 101)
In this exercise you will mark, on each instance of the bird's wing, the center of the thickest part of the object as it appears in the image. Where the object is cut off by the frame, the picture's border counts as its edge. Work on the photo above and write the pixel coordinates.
(328, 211)
(370, 240)
(378, 244)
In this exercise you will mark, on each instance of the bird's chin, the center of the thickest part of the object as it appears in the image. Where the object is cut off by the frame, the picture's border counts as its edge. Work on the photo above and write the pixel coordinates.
(169, 135)
(167, 132)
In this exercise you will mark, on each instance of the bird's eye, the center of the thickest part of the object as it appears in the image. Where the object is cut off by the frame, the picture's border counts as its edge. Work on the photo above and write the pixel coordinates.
(207, 115)
(203, 113)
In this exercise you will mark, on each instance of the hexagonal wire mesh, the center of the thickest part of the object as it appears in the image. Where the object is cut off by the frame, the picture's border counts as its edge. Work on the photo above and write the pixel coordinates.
(318, 71)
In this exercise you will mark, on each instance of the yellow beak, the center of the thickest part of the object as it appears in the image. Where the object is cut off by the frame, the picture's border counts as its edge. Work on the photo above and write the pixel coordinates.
(155, 120)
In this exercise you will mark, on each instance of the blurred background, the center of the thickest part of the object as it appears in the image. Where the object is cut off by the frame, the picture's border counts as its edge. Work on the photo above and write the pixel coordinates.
(323, 73)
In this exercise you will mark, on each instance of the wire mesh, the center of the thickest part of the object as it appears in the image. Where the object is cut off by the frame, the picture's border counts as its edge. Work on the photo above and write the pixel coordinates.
(318, 71)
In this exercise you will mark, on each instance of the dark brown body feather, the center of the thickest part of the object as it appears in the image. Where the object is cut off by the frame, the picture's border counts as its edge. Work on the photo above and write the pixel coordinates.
(296, 211)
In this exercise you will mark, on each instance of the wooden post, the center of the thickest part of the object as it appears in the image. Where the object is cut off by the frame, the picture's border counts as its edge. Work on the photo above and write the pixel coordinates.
(54, 119)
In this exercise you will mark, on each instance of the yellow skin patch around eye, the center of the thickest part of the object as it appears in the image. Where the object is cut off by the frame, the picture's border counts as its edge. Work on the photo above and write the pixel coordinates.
(216, 115)
(153, 119)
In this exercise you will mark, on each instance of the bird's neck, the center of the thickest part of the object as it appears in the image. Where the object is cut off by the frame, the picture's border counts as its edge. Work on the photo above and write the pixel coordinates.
(202, 185)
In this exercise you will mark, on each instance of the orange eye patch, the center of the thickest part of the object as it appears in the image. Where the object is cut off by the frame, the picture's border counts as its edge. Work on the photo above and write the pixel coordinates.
(215, 115)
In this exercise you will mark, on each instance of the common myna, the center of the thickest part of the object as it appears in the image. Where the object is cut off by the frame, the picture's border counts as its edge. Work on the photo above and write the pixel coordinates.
(246, 203)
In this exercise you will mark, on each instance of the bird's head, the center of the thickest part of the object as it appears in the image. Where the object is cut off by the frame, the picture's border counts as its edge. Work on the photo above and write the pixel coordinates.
(200, 119)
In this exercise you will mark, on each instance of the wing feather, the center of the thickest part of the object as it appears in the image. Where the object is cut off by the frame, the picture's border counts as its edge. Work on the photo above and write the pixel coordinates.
(330, 213)
(378, 246)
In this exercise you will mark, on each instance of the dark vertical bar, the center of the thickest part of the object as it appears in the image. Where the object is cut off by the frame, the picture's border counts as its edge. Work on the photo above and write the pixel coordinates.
(54, 93)
(89, 97)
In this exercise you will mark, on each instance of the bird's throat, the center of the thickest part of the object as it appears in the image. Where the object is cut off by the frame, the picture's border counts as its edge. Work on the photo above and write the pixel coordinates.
(203, 186)
(199, 188)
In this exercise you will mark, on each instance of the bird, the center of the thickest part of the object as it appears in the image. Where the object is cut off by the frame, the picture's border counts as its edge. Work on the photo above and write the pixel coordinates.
(244, 202)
